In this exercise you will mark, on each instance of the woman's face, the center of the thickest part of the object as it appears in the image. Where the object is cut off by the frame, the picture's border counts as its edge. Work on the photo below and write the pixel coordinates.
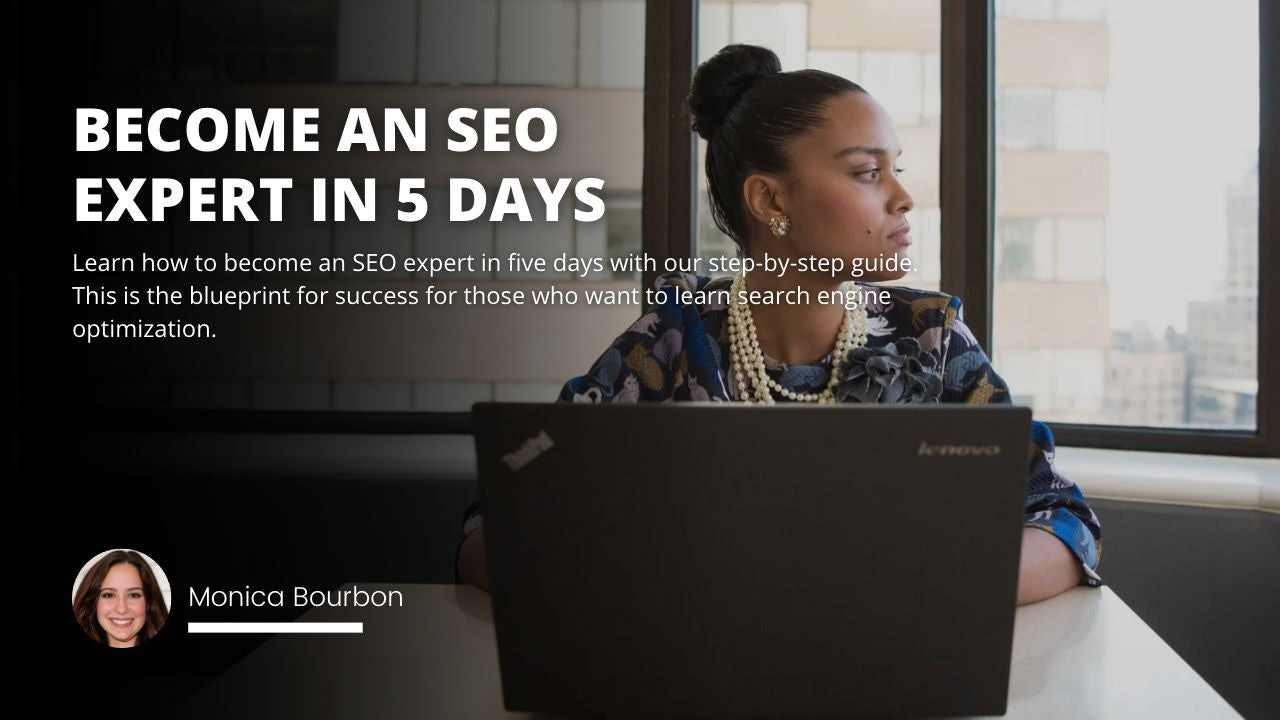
(842, 192)
(122, 605)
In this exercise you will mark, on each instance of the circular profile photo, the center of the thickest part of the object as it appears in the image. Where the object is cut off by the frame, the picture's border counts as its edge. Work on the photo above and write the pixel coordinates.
(121, 598)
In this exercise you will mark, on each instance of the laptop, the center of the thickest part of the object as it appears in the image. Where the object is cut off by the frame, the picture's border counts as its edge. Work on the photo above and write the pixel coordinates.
(732, 561)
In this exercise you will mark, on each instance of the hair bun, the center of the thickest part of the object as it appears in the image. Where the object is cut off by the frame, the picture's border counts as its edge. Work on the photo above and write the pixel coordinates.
(720, 82)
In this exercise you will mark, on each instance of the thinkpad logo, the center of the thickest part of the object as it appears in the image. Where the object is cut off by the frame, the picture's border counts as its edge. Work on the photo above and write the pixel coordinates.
(931, 450)
(529, 451)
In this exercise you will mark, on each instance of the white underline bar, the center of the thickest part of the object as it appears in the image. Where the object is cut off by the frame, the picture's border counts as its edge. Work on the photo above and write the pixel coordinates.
(252, 628)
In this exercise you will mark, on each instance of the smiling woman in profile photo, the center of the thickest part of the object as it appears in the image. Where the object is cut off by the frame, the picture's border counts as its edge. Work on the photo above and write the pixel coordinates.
(119, 603)
(802, 167)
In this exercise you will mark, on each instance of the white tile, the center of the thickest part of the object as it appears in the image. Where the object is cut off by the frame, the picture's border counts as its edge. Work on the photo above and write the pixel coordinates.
(1024, 249)
(931, 110)
(896, 80)
(837, 62)
(713, 29)
(291, 395)
(926, 231)
(1080, 120)
(537, 42)
(1025, 118)
(458, 42)
(782, 27)
(1081, 254)
(449, 396)
(1025, 9)
(377, 40)
(1043, 240)
(385, 234)
(623, 218)
(436, 237)
(527, 391)
(611, 44)
(534, 239)
(592, 241)
(1082, 10)
(372, 396)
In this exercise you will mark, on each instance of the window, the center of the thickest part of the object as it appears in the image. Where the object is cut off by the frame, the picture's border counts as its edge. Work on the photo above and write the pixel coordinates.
(1068, 92)
(1127, 215)
(1024, 249)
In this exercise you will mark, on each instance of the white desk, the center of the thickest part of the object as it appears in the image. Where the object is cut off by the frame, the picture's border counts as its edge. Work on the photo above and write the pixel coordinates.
(1083, 654)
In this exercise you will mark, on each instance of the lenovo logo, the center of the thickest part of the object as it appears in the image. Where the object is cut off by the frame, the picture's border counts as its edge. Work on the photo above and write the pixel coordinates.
(929, 450)
(528, 451)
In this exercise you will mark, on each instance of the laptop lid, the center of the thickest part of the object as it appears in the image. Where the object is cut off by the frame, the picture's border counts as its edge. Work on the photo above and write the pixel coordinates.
(730, 561)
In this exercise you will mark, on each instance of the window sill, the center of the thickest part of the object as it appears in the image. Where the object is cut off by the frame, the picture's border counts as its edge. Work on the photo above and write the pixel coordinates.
(1174, 478)
(1179, 479)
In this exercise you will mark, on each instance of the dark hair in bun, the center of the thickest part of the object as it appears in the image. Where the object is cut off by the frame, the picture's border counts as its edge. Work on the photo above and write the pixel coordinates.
(747, 109)
(721, 81)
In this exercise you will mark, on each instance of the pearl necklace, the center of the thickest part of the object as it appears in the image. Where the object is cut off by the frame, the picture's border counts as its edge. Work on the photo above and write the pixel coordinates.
(745, 355)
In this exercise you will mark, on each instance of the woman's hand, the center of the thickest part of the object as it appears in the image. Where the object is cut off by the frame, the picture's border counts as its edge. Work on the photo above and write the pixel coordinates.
(1047, 567)
(473, 564)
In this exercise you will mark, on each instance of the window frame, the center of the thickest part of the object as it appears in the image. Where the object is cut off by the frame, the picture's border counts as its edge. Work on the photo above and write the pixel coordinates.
(967, 196)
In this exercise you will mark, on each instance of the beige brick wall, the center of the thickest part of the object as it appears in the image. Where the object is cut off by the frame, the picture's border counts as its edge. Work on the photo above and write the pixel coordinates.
(1034, 183)
(1051, 315)
(875, 25)
(1054, 54)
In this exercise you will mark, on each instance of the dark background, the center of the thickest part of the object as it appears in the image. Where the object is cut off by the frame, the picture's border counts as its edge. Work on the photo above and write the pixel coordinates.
(89, 471)
(82, 464)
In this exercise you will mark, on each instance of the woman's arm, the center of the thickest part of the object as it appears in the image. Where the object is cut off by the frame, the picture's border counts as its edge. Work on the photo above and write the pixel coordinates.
(1047, 567)
(1055, 506)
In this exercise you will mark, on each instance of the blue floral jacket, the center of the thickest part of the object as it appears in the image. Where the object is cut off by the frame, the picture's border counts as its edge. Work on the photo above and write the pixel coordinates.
(680, 351)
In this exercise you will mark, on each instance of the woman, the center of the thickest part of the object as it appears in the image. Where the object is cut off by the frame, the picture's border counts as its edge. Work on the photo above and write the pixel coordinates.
(119, 603)
(802, 166)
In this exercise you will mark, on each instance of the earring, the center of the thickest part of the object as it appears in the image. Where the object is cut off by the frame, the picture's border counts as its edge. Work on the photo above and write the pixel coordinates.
(779, 225)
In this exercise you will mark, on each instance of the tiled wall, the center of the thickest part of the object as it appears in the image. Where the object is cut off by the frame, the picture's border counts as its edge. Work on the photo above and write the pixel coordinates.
(557, 43)
(584, 59)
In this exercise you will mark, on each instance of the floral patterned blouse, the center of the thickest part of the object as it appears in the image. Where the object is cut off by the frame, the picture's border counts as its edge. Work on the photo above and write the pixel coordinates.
(680, 351)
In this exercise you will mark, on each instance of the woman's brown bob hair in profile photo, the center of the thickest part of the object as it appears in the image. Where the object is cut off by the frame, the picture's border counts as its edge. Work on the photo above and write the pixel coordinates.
(132, 613)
